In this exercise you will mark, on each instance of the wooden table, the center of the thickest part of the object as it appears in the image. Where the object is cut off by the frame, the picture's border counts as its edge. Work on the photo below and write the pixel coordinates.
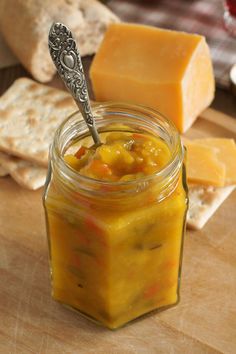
(31, 322)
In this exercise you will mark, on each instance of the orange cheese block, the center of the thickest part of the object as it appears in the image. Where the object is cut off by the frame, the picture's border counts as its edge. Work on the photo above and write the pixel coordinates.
(203, 166)
(166, 70)
(225, 150)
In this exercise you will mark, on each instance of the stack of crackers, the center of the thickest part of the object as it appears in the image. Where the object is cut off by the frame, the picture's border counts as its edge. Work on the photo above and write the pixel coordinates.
(29, 115)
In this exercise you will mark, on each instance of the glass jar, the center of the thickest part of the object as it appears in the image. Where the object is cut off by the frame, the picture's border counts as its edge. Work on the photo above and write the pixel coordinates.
(116, 247)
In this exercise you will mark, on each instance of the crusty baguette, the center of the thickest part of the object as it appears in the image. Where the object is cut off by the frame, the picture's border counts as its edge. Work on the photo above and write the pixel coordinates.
(6, 56)
(25, 173)
(25, 25)
(29, 115)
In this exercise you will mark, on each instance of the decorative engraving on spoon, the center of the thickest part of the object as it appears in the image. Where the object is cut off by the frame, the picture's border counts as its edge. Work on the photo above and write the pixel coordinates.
(68, 62)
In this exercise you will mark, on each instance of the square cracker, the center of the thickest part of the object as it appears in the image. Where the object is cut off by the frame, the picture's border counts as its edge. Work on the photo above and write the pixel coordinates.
(23, 172)
(29, 116)
(203, 202)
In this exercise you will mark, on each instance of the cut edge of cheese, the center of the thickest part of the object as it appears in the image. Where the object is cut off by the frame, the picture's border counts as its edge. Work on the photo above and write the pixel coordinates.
(198, 85)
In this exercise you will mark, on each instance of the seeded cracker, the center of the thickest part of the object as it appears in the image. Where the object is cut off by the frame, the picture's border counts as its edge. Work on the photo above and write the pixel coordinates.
(203, 202)
(29, 115)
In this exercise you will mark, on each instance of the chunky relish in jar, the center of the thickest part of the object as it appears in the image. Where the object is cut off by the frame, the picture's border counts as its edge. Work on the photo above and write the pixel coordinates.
(122, 157)
(116, 214)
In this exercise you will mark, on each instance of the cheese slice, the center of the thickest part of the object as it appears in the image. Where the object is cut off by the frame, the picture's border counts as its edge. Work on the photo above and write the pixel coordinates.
(226, 154)
(166, 70)
(203, 166)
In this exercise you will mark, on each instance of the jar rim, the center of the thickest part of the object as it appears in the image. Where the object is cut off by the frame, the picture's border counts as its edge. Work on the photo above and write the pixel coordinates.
(177, 152)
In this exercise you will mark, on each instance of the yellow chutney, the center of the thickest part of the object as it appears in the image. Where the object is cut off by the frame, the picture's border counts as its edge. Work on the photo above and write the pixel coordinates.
(116, 213)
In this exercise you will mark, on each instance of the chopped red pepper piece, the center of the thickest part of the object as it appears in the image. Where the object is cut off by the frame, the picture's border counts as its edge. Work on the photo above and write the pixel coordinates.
(138, 136)
(151, 291)
(76, 261)
(94, 228)
(82, 150)
(82, 238)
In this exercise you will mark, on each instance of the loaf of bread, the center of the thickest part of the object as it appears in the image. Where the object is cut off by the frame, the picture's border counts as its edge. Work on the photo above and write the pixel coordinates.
(25, 25)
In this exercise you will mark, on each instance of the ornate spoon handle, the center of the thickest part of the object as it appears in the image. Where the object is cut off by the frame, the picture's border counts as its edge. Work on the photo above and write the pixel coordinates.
(67, 60)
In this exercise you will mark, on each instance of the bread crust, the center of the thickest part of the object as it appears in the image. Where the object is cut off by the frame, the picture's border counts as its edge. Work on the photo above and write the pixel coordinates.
(25, 25)
(3, 171)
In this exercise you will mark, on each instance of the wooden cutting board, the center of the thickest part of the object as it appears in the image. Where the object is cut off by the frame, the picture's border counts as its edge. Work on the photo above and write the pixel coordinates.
(203, 322)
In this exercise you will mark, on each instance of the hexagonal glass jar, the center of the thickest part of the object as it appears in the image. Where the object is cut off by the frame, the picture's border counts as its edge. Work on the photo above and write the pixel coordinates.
(116, 247)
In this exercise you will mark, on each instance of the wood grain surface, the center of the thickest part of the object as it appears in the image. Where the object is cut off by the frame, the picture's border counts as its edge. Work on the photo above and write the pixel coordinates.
(203, 322)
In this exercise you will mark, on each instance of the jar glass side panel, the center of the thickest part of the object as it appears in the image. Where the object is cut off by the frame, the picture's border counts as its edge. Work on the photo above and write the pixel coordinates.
(113, 264)
(78, 256)
(145, 259)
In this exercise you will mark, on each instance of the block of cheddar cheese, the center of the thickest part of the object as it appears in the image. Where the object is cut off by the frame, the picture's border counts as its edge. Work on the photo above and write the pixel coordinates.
(166, 70)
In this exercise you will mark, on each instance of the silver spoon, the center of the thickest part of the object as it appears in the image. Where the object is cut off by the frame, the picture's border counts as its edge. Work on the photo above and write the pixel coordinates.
(67, 60)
